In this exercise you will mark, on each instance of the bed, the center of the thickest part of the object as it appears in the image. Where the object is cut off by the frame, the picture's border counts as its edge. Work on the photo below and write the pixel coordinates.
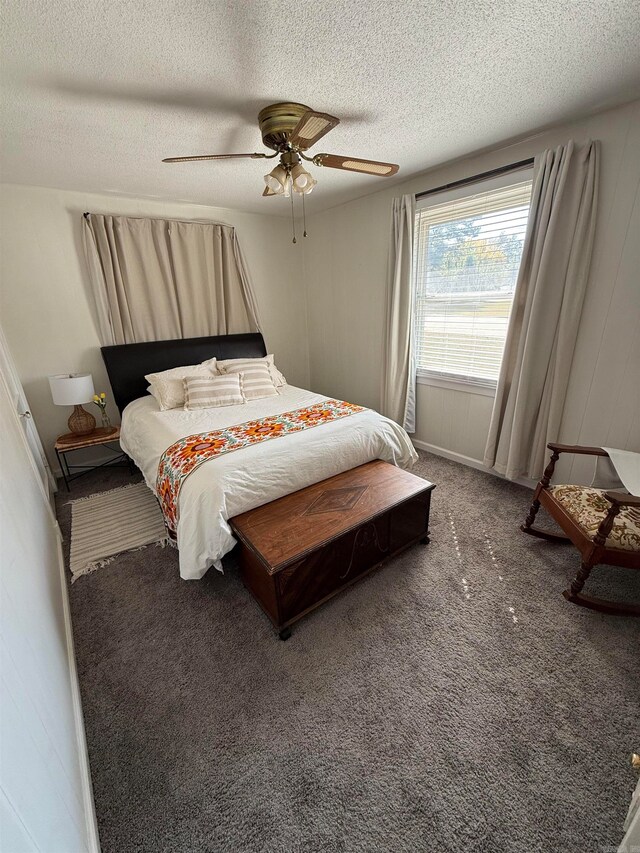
(247, 478)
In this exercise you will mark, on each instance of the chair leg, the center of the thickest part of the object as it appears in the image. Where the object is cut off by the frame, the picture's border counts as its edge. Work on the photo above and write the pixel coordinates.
(534, 531)
(575, 596)
(535, 506)
(533, 511)
(579, 580)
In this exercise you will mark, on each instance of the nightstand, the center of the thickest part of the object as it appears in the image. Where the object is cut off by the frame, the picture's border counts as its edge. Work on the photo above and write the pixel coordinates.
(101, 437)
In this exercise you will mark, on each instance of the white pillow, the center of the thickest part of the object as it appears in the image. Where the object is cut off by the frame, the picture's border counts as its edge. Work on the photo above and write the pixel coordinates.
(278, 378)
(150, 391)
(208, 392)
(167, 386)
(257, 381)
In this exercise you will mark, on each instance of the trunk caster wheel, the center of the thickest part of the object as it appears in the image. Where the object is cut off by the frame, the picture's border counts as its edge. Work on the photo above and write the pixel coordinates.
(285, 633)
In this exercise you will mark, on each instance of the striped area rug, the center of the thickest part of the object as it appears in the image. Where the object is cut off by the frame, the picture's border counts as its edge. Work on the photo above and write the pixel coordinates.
(106, 524)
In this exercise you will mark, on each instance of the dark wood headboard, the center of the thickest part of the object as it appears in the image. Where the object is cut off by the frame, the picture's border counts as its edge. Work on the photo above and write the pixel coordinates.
(128, 364)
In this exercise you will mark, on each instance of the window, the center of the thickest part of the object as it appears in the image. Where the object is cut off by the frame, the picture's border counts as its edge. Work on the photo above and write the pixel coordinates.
(468, 249)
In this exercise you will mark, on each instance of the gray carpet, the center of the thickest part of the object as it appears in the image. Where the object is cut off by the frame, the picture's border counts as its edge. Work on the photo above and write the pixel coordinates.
(452, 701)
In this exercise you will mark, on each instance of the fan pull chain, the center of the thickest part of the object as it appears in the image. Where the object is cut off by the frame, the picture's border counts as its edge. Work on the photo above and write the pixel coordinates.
(304, 218)
(293, 219)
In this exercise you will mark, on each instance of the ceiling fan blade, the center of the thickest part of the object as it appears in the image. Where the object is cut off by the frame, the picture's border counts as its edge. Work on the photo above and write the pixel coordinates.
(355, 164)
(311, 127)
(213, 157)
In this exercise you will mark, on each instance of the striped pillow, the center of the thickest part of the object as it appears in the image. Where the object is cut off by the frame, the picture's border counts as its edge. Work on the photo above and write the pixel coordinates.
(257, 381)
(208, 392)
(168, 388)
(225, 366)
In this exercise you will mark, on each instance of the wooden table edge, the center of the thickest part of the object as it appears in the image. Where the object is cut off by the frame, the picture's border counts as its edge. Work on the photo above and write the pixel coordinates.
(86, 440)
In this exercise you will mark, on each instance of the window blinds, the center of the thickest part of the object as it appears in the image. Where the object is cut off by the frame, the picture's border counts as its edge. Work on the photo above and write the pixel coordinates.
(467, 257)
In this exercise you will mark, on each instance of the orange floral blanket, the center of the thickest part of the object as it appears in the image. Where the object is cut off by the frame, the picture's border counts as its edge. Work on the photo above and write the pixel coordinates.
(187, 454)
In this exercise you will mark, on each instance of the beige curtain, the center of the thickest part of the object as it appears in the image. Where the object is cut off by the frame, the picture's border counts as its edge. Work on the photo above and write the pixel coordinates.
(155, 279)
(399, 371)
(545, 316)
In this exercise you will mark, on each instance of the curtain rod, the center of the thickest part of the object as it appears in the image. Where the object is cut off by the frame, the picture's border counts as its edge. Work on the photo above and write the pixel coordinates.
(501, 170)
(87, 214)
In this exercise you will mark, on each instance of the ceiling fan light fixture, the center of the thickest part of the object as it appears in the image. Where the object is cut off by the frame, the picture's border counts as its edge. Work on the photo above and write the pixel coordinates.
(308, 187)
(289, 129)
(300, 177)
(276, 180)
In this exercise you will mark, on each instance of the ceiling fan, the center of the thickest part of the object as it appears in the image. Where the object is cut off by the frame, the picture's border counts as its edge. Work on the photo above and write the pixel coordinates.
(290, 129)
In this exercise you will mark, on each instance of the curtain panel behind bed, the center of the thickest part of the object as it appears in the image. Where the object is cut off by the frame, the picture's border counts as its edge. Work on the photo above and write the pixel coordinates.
(155, 279)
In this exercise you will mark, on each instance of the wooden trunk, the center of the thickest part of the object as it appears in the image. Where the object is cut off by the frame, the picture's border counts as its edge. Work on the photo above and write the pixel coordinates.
(300, 550)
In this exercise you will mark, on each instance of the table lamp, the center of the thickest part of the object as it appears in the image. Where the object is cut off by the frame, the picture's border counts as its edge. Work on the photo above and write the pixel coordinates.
(73, 389)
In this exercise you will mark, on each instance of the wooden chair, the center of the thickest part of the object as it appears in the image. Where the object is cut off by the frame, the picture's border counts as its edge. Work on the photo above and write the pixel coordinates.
(603, 525)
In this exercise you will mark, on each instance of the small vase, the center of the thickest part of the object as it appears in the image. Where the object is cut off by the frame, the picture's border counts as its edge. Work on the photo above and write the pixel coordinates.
(105, 422)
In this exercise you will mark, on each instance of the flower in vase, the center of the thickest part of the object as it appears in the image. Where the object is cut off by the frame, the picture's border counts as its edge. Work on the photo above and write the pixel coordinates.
(100, 401)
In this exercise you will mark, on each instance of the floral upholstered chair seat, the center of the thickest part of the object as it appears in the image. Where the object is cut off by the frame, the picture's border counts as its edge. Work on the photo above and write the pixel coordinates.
(588, 506)
(604, 525)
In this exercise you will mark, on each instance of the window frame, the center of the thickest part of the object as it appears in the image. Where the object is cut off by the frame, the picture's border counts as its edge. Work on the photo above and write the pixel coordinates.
(436, 378)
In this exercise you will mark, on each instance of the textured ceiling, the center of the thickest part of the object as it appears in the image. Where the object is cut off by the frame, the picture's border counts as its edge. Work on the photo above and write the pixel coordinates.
(97, 93)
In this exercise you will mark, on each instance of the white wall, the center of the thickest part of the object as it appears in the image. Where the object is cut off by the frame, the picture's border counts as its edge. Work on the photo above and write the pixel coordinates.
(45, 795)
(47, 314)
(46, 309)
(346, 265)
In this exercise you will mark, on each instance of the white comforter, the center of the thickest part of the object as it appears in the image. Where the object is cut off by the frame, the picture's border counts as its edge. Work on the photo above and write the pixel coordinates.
(247, 478)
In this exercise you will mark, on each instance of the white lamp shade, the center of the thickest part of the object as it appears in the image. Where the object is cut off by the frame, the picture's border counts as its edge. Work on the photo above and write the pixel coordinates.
(300, 177)
(276, 179)
(308, 187)
(71, 389)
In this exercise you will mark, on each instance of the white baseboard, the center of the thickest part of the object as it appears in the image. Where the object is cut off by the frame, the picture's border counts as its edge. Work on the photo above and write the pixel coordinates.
(468, 460)
(83, 754)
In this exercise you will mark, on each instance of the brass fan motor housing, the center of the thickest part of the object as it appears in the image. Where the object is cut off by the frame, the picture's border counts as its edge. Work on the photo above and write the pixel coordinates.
(277, 122)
